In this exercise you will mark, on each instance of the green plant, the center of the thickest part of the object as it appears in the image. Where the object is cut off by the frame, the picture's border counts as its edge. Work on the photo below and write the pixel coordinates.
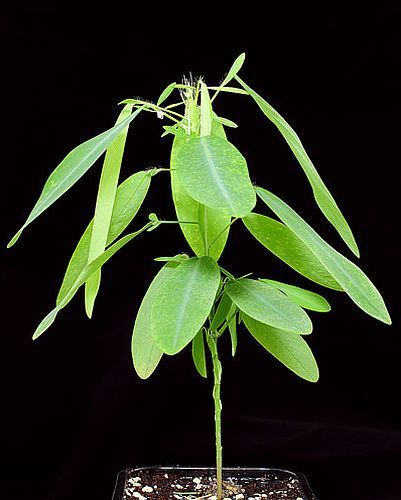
(193, 300)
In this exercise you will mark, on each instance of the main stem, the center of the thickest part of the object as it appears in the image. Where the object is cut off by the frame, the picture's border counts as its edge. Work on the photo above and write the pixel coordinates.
(217, 369)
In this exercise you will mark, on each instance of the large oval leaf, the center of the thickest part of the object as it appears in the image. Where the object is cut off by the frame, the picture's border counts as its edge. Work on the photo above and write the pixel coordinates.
(289, 248)
(72, 168)
(104, 206)
(212, 223)
(304, 298)
(145, 353)
(323, 197)
(129, 198)
(214, 172)
(267, 305)
(182, 305)
(354, 281)
(290, 349)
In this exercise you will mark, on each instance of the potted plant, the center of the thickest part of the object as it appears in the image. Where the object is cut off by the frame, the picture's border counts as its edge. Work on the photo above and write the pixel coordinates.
(193, 300)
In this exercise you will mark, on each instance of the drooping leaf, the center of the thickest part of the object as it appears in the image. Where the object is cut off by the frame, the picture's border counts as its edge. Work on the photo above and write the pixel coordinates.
(322, 195)
(104, 206)
(289, 248)
(215, 223)
(72, 168)
(213, 172)
(232, 326)
(80, 280)
(183, 303)
(352, 279)
(304, 298)
(222, 312)
(206, 112)
(166, 93)
(198, 354)
(267, 305)
(288, 348)
(145, 353)
(129, 198)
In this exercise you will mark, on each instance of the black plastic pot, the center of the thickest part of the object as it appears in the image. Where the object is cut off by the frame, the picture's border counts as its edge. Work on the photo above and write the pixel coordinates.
(248, 472)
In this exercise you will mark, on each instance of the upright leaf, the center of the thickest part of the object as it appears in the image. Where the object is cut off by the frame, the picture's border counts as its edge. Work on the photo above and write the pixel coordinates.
(145, 354)
(289, 248)
(353, 281)
(232, 326)
(290, 349)
(215, 223)
(72, 168)
(104, 206)
(304, 298)
(267, 305)
(222, 312)
(206, 111)
(129, 198)
(166, 92)
(322, 195)
(182, 305)
(213, 172)
(198, 354)
(236, 66)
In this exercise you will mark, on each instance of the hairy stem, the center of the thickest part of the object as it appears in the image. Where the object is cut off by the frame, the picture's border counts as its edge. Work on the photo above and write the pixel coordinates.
(217, 369)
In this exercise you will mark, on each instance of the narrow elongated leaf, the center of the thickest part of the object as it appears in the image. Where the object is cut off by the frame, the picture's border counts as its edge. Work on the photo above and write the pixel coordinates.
(212, 223)
(232, 326)
(226, 122)
(236, 66)
(129, 198)
(104, 206)
(322, 195)
(222, 312)
(267, 305)
(304, 298)
(289, 248)
(166, 92)
(354, 282)
(206, 112)
(72, 168)
(214, 173)
(80, 280)
(198, 354)
(145, 353)
(288, 348)
(183, 303)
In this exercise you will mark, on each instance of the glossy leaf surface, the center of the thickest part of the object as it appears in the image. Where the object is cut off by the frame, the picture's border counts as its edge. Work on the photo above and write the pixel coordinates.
(182, 305)
(352, 279)
(288, 348)
(283, 243)
(222, 312)
(198, 354)
(214, 173)
(322, 195)
(267, 305)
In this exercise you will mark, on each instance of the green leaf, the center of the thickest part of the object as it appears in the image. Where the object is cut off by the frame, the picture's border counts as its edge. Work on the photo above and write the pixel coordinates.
(226, 122)
(214, 173)
(145, 353)
(81, 278)
(166, 93)
(232, 326)
(104, 206)
(322, 195)
(289, 248)
(198, 354)
(354, 282)
(304, 298)
(214, 224)
(72, 168)
(182, 305)
(129, 198)
(267, 305)
(290, 349)
(222, 312)
(206, 117)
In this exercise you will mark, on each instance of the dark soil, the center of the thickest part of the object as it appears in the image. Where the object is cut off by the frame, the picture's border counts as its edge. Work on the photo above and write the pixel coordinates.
(201, 484)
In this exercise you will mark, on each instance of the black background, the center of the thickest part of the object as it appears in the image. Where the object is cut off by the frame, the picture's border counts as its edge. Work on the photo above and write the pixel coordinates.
(73, 411)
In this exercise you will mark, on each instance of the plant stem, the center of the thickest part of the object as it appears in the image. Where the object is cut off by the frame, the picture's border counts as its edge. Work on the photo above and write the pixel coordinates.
(217, 369)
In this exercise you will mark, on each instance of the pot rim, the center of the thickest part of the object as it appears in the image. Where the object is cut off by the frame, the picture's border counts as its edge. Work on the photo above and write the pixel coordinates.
(120, 483)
